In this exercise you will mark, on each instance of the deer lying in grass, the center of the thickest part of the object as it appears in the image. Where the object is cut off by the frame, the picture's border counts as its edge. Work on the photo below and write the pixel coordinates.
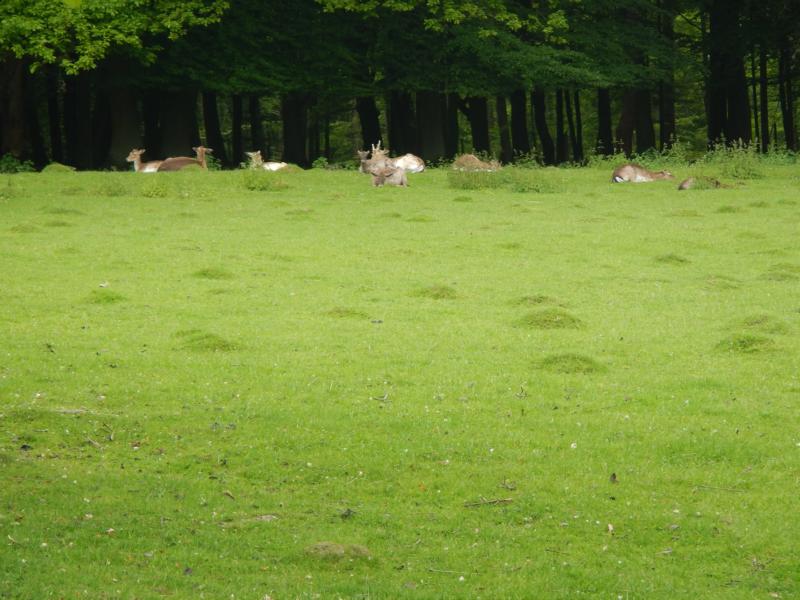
(256, 162)
(135, 157)
(701, 183)
(389, 176)
(380, 159)
(180, 162)
(470, 162)
(637, 174)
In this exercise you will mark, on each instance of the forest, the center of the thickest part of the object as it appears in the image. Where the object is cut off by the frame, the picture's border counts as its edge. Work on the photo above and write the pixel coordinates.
(555, 81)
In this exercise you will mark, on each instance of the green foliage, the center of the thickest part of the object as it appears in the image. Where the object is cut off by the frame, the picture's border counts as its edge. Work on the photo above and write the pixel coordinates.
(56, 167)
(739, 161)
(11, 164)
(320, 163)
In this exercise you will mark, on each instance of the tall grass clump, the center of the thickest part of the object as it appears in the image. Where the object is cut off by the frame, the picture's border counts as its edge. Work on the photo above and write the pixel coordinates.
(738, 161)
(474, 180)
(262, 181)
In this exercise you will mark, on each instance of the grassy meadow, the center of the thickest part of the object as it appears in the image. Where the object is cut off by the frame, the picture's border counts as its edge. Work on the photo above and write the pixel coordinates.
(223, 385)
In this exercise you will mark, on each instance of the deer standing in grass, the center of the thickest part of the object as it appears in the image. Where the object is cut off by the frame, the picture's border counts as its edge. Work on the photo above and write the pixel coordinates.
(179, 162)
(256, 162)
(135, 157)
(634, 173)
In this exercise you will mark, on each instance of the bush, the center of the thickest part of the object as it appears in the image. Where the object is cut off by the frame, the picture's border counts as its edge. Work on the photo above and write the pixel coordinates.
(528, 181)
(739, 161)
(11, 164)
(320, 163)
(262, 181)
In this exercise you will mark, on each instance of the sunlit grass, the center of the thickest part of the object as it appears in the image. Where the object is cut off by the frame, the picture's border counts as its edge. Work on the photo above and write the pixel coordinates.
(212, 388)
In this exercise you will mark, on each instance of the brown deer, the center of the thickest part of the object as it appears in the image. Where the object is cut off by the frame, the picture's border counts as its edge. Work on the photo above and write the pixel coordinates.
(389, 176)
(410, 163)
(634, 173)
(179, 162)
(135, 157)
(256, 162)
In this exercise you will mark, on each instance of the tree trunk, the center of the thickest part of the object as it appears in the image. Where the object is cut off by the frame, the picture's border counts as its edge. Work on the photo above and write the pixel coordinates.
(562, 145)
(256, 124)
(54, 115)
(578, 127)
(764, 93)
(520, 141)
(476, 109)
(214, 139)
(573, 138)
(294, 113)
(369, 118)
(451, 129)
(506, 151)
(151, 103)
(179, 131)
(666, 89)
(754, 88)
(402, 127)
(13, 138)
(787, 97)
(101, 128)
(430, 125)
(540, 112)
(237, 140)
(78, 120)
(125, 132)
(605, 140)
(645, 131)
(739, 120)
(32, 123)
(627, 122)
(313, 130)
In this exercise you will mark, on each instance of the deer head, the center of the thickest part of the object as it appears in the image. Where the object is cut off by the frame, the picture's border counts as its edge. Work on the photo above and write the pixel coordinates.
(135, 154)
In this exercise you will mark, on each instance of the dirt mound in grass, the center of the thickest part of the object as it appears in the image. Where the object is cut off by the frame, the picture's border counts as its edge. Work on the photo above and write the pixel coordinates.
(571, 363)
(550, 318)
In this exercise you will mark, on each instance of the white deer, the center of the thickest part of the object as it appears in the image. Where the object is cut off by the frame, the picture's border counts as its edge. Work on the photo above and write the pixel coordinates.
(256, 162)
(135, 157)
(634, 173)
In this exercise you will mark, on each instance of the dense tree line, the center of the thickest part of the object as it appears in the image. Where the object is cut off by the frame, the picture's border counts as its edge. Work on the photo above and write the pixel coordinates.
(84, 81)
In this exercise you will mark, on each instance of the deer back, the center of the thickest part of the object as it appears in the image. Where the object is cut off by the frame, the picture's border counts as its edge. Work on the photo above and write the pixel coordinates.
(178, 163)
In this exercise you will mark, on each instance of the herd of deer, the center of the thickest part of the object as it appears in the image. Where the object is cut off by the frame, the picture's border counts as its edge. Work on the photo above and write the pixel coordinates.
(392, 171)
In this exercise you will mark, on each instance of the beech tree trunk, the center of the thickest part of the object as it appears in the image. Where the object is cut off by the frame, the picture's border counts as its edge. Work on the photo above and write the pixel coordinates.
(151, 110)
(402, 123)
(179, 131)
(430, 125)
(506, 152)
(520, 140)
(78, 120)
(540, 113)
(787, 97)
(451, 129)
(256, 124)
(605, 139)
(476, 109)
(666, 89)
(214, 139)
(764, 94)
(237, 140)
(369, 118)
(573, 138)
(54, 115)
(754, 89)
(125, 132)
(578, 127)
(562, 146)
(12, 108)
(294, 113)
(645, 131)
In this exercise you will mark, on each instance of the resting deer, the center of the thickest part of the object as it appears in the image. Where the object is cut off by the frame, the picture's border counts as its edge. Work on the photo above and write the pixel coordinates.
(702, 183)
(389, 176)
(409, 163)
(179, 162)
(637, 174)
(256, 162)
(138, 166)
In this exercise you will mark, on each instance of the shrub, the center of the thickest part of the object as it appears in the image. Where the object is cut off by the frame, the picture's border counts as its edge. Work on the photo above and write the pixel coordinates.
(11, 164)
(55, 167)
(739, 161)
(320, 163)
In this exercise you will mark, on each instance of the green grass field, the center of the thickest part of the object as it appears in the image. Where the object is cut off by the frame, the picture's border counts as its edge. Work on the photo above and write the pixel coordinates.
(323, 390)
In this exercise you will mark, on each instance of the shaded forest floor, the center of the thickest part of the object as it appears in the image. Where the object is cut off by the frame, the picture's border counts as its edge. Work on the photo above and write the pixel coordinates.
(220, 385)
